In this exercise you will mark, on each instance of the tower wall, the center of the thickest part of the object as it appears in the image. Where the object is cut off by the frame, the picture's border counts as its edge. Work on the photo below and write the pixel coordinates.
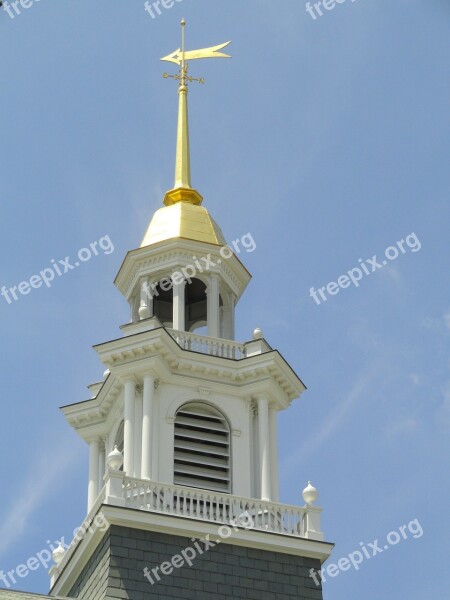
(93, 582)
(223, 572)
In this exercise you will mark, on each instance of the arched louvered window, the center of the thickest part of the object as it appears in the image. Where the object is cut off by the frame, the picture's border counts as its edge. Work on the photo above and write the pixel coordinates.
(202, 448)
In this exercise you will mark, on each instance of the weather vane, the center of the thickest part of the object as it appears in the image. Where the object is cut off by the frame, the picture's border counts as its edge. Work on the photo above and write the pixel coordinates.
(182, 57)
(182, 190)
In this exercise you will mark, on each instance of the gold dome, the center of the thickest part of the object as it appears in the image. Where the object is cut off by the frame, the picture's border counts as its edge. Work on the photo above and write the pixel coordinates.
(183, 220)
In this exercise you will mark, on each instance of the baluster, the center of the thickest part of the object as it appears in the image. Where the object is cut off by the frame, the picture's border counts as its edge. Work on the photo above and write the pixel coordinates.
(269, 517)
(207, 508)
(161, 499)
(213, 508)
(275, 519)
(302, 528)
(225, 510)
(223, 516)
(201, 505)
(197, 505)
(155, 496)
(143, 494)
(217, 509)
(133, 502)
(149, 499)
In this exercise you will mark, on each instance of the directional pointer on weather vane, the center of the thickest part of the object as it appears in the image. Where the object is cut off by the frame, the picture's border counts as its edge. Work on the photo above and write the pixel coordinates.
(182, 56)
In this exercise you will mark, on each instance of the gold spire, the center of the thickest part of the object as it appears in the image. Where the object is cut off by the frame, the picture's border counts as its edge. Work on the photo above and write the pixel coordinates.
(182, 216)
(182, 190)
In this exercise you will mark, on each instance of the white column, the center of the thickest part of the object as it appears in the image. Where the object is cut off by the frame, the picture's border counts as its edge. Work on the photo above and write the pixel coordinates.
(93, 473)
(179, 306)
(147, 424)
(144, 308)
(128, 450)
(264, 446)
(101, 464)
(150, 299)
(228, 317)
(134, 305)
(213, 305)
(254, 450)
(137, 435)
(156, 428)
(273, 413)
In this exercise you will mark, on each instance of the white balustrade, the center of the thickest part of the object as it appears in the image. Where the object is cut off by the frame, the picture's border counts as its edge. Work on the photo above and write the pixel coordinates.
(208, 345)
(209, 506)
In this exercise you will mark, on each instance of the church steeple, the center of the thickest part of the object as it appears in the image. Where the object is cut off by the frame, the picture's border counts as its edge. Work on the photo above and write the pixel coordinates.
(182, 430)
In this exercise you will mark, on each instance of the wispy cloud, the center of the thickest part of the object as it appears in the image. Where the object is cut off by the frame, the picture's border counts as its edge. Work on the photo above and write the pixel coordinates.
(444, 411)
(401, 427)
(39, 484)
(447, 319)
(415, 378)
(336, 418)
(438, 324)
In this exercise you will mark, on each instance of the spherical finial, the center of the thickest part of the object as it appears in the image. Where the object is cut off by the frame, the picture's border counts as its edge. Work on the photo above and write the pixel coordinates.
(183, 22)
(58, 554)
(258, 333)
(115, 459)
(106, 373)
(310, 494)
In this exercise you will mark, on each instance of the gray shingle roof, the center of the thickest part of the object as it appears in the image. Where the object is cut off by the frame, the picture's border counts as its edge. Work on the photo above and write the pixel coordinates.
(14, 595)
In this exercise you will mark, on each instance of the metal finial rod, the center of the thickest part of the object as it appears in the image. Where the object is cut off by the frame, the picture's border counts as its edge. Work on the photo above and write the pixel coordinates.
(183, 53)
(181, 57)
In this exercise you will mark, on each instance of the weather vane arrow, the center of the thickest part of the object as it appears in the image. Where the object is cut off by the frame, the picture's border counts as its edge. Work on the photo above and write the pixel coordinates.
(213, 52)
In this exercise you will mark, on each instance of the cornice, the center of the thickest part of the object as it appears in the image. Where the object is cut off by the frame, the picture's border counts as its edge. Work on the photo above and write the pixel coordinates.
(165, 257)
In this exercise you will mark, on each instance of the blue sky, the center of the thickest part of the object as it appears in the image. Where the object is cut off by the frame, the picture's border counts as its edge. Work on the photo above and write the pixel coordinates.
(326, 139)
